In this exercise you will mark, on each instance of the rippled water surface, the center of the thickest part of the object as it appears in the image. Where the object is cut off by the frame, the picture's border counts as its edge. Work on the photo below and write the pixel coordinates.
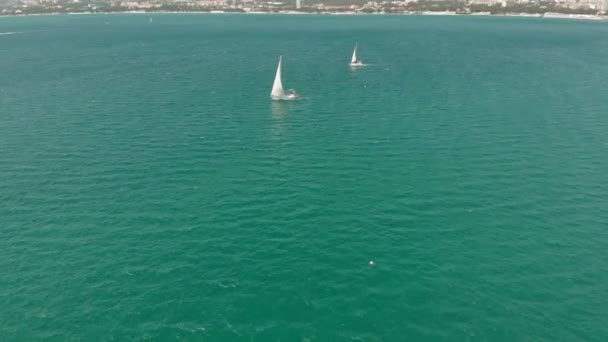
(150, 190)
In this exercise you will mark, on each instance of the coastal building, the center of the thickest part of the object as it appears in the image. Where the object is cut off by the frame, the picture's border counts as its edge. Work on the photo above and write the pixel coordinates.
(211, 3)
(139, 5)
(485, 2)
(335, 7)
(576, 4)
(298, 4)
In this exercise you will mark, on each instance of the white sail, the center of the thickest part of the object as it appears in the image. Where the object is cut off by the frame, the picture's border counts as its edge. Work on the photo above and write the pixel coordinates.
(354, 59)
(277, 86)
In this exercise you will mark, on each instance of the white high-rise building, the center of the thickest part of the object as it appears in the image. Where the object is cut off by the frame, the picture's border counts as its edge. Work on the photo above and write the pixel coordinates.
(298, 4)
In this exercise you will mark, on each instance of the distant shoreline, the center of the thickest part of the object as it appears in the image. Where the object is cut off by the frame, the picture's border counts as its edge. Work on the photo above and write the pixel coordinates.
(591, 17)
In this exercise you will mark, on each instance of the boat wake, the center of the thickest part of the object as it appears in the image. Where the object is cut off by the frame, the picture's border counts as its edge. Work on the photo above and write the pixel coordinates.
(226, 285)
(7, 33)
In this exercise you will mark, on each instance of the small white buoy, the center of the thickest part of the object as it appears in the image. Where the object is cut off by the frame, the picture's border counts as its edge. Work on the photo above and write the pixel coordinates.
(371, 263)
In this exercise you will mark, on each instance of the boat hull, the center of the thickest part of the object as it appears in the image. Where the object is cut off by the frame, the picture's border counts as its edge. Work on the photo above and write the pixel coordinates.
(284, 98)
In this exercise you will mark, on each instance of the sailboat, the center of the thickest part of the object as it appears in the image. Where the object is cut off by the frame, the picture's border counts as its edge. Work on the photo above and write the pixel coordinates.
(277, 92)
(354, 62)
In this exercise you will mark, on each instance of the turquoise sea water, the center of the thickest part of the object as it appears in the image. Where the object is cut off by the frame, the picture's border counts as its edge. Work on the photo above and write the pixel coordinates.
(150, 190)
